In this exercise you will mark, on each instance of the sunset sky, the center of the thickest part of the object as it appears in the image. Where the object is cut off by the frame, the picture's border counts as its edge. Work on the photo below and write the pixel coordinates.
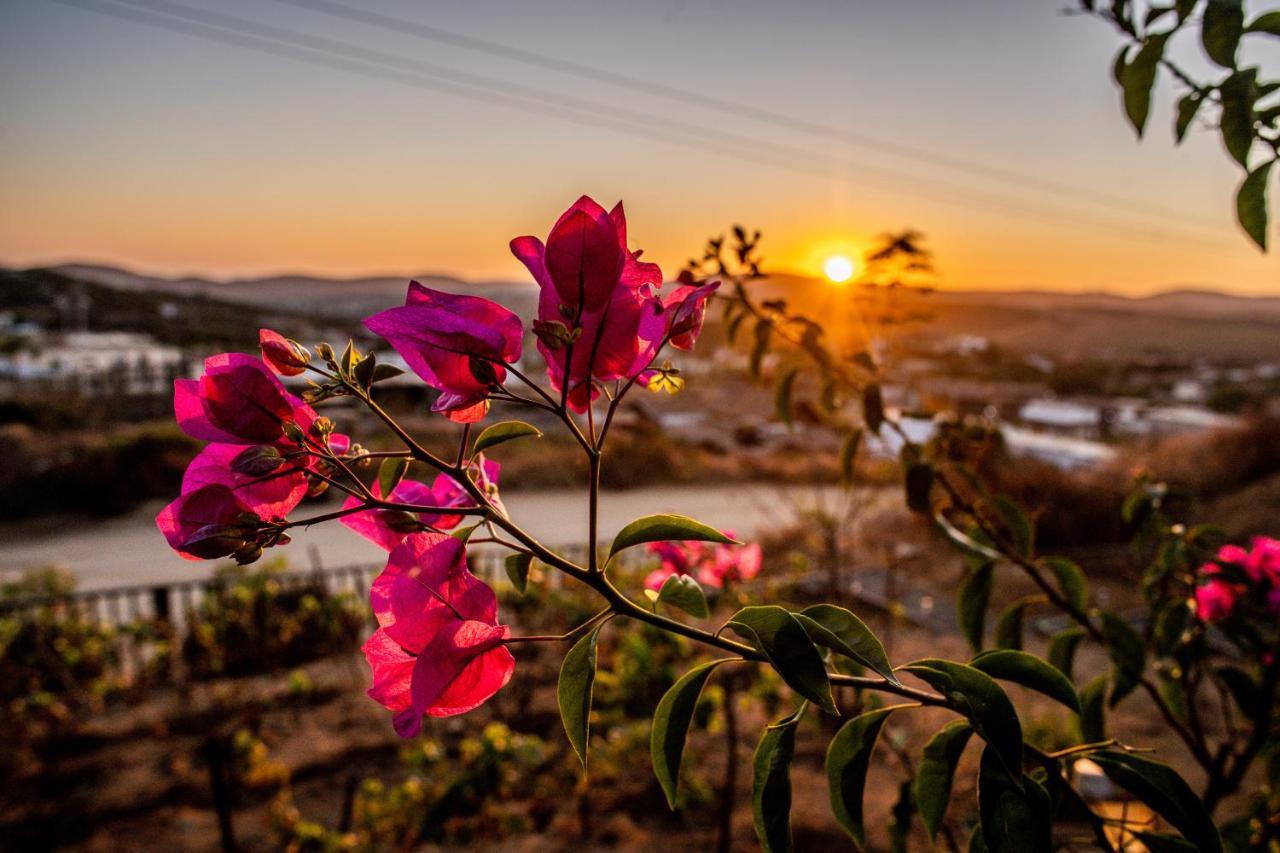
(991, 125)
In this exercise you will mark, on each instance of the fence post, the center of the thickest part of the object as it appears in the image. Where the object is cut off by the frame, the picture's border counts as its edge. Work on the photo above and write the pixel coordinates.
(216, 748)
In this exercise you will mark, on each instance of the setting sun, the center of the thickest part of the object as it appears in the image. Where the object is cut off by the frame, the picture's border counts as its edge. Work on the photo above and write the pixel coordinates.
(838, 269)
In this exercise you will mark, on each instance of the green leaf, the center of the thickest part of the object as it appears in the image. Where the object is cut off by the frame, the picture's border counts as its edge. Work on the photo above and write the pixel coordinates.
(671, 726)
(463, 532)
(764, 330)
(665, 528)
(1127, 653)
(517, 566)
(971, 602)
(1251, 204)
(1138, 77)
(503, 431)
(1029, 671)
(848, 455)
(1093, 710)
(771, 787)
(685, 593)
(900, 817)
(573, 691)
(1016, 812)
(1188, 106)
(1267, 22)
(918, 481)
(390, 473)
(779, 636)
(1238, 93)
(364, 370)
(1071, 580)
(937, 770)
(872, 407)
(1220, 30)
(1167, 793)
(383, 371)
(848, 758)
(844, 633)
(1062, 649)
(782, 396)
(1018, 526)
(1171, 623)
(983, 702)
(964, 541)
(1008, 633)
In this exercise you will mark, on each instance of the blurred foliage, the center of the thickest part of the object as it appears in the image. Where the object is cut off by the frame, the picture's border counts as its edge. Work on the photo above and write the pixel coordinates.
(254, 620)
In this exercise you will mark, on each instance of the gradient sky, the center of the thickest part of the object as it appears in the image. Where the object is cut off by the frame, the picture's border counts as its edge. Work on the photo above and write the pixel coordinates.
(126, 144)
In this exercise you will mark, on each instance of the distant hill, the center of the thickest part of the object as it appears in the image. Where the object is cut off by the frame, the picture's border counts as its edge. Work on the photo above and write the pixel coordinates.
(1178, 323)
(335, 298)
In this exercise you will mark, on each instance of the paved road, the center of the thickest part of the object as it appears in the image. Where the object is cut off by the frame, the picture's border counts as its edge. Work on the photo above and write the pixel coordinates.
(129, 549)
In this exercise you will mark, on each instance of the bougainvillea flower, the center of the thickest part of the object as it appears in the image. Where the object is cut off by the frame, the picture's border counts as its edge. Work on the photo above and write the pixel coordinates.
(685, 309)
(1215, 599)
(731, 564)
(1263, 560)
(439, 650)
(380, 526)
(281, 354)
(598, 318)
(457, 344)
(237, 400)
(271, 495)
(676, 558)
(205, 523)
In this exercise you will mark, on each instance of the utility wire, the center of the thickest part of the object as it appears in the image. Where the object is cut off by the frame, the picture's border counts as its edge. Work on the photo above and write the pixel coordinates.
(344, 56)
(725, 106)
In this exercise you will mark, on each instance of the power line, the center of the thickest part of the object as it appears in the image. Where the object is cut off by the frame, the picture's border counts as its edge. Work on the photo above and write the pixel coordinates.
(725, 106)
(343, 56)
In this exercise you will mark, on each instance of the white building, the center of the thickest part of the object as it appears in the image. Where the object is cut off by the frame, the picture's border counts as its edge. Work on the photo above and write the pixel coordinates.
(95, 362)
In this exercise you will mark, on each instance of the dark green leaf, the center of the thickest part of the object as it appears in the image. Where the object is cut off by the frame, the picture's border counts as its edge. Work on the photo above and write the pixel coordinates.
(1062, 649)
(1251, 204)
(1127, 653)
(1168, 795)
(780, 637)
(844, 633)
(848, 758)
(900, 816)
(665, 528)
(1008, 632)
(937, 770)
(573, 692)
(771, 788)
(849, 455)
(1238, 93)
(983, 702)
(1016, 523)
(517, 566)
(918, 480)
(1188, 106)
(364, 370)
(1138, 78)
(1267, 22)
(964, 541)
(1029, 671)
(764, 330)
(1093, 710)
(671, 726)
(383, 371)
(685, 593)
(390, 473)
(1184, 8)
(782, 396)
(1071, 580)
(504, 431)
(971, 602)
(1171, 623)
(1220, 30)
(1016, 812)
(872, 408)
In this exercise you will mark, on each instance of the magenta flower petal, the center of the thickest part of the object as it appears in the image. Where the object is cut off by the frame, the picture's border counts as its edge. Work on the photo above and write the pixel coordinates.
(205, 512)
(685, 309)
(392, 670)
(189, 411)
(425, 579)
(583, 258)
(462, 667)
(280, 354)
(244, 399)
(272, 495)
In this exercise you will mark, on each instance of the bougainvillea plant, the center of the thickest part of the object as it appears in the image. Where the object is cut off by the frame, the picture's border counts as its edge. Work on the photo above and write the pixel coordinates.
(602, 325)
